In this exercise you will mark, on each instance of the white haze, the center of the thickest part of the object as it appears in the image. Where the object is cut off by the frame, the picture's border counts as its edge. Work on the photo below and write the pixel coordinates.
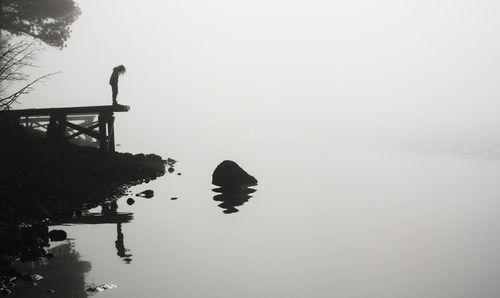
(293, 69)
(285, 88)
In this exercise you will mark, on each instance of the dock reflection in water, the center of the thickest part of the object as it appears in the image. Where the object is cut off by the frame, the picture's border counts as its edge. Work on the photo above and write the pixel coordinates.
(109, 215)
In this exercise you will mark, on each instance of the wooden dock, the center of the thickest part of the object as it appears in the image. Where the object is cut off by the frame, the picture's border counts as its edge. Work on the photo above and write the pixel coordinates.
(89, 122)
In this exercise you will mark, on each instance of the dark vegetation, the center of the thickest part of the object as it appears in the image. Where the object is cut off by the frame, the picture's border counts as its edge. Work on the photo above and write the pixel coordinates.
(14, 60)
(23, 23)
(56, 178)
(45, 20)
(42, 182)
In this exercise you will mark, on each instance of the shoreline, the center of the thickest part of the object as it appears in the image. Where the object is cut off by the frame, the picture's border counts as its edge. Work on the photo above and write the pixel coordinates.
(42, 181)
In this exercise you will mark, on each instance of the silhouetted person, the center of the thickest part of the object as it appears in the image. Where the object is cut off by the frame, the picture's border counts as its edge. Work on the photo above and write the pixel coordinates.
(113, 81)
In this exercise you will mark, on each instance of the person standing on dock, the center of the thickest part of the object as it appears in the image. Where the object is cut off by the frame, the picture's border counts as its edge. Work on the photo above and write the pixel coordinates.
(113, 81)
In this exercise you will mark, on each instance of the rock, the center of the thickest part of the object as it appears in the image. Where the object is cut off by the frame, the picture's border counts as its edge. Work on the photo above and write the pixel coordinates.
(31, 277)
(178, 174)
(171, 170)
(130, 201)
(5, 291)
(229, 175)
(50, 291)
(34, 253)
(57, 235)
(146, 194)
(101, 288)
(174, 198)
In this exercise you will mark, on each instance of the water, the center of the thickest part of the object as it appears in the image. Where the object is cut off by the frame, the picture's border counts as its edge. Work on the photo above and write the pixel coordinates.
(317, 100)
(336, 222)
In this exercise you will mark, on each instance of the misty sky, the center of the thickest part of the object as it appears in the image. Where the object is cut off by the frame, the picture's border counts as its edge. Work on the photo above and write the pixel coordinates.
(273, 65)
(279, 86)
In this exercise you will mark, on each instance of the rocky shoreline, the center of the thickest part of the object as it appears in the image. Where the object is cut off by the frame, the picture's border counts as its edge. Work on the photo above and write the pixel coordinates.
(41, 182)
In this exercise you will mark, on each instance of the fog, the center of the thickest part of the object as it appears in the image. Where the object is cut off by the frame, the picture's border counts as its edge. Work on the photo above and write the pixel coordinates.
(307, 96)
(351, 69)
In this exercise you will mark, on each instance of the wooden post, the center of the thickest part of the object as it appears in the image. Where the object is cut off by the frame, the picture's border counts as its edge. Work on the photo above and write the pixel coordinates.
(111, 133)
(62, 123)
(59, 125)
(56, 130)
(102, 132)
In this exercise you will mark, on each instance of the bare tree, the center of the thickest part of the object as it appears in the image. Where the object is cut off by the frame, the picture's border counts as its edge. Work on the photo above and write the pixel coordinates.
(14, 60)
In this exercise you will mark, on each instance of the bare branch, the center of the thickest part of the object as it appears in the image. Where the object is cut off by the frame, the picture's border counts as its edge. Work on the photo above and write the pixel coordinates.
(6, 102)
(13, 61)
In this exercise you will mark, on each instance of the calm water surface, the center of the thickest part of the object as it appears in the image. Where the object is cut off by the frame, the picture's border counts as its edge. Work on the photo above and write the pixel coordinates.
(325, 221)
(285, 88)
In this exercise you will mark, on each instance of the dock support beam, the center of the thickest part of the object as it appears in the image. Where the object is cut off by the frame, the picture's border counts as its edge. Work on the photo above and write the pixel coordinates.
(59, 123)
(106, 132)
(111, 133)
(56, 129)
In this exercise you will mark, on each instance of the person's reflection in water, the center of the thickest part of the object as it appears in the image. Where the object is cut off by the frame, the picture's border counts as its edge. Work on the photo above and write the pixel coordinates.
(110, 209)
(231, 199)
(120, 247)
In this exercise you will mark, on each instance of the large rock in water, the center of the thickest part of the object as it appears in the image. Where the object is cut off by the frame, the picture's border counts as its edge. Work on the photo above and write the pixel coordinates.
(229, 175)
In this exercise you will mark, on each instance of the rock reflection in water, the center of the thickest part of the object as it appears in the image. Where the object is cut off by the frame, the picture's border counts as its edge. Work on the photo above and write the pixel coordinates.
(230, 199)
(65, 274)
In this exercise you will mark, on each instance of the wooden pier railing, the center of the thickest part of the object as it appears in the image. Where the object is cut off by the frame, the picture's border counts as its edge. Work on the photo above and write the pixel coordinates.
(71, 122)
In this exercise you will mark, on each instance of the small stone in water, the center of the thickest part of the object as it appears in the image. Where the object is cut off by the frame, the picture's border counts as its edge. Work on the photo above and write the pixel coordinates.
(171, 170)
(49, 291)
(31, 277)
(174, 198)
(178, 174)
(5, 291)
(130, 201)
(101, 288)
(146, 194)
